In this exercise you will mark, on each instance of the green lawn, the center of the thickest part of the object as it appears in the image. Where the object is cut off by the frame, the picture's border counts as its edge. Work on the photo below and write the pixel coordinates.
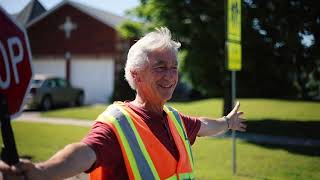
(84, 112)
(255, 109)
(212, 156)
(40, 141)
(274, 117)
(213, 161)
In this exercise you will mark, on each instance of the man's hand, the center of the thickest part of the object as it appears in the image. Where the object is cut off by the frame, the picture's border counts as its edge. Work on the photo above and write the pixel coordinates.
(18, 171)
(71, 160)
(235, 120)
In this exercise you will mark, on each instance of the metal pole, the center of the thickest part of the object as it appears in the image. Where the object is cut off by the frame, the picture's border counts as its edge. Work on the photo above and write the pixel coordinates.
(9, 152)
(233, 88)
(233, 93)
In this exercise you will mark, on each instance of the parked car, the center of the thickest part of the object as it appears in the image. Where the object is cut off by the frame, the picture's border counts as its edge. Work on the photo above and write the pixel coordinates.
(50, 91)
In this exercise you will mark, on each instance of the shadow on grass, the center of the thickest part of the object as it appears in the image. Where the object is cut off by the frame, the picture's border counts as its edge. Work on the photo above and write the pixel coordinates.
(288, 128)
(26, 156)
(303, 150)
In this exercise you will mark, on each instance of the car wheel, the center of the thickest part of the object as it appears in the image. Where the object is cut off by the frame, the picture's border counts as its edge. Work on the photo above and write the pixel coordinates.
(46, 103)
(79, 100)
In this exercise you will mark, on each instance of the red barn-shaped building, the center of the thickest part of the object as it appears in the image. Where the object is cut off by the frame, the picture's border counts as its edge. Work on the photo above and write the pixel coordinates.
(77, 42)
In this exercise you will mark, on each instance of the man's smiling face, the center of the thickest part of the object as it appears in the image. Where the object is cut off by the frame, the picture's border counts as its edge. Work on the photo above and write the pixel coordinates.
(160, 76)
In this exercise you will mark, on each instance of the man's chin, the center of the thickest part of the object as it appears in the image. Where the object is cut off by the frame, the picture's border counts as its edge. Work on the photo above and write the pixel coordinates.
(167, 97)
(166, 94)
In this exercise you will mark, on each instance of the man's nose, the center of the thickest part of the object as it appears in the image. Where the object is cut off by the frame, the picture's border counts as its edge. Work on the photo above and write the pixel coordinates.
(171, 73)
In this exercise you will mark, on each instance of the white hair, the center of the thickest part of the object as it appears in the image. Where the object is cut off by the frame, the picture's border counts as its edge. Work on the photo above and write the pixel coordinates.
(138, 53)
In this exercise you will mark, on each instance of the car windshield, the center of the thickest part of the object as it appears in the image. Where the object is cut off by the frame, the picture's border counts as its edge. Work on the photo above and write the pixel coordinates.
(37, 82)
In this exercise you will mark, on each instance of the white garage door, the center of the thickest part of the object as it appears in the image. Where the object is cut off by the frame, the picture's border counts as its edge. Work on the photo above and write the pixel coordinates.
(95, 76)
(49, 66)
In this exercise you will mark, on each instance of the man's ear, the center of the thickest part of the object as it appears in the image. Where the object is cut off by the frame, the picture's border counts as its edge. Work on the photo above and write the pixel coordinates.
(135, 76)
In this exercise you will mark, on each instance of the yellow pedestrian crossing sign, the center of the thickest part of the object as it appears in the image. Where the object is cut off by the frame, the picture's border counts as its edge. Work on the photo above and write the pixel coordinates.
(234, 56)
(234, 20)
(234, 35)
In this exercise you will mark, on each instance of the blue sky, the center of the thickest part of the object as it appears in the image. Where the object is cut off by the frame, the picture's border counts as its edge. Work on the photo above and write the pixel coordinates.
(114, 6)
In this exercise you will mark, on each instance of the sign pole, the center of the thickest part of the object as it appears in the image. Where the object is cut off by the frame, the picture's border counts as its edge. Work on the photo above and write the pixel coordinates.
(233, 56)
(233, 91)
(9, 152)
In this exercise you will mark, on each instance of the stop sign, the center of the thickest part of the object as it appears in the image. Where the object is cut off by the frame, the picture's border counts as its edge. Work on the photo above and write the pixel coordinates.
(15, 63)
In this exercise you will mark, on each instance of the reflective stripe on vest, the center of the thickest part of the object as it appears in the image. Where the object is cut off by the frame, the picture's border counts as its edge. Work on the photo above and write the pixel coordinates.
(139, 159)
(182, 176)
(181, 130)
(174, 115)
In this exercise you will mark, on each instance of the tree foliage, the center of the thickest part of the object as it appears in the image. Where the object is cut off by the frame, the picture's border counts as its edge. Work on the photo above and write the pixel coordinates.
(282, 45)
(280, 42)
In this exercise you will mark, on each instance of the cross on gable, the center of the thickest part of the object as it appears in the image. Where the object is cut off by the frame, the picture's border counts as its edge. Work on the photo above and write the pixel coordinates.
(67, 27)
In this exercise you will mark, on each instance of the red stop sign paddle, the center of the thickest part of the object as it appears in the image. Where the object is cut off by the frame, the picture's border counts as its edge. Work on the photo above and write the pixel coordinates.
(15, 64)
(15, 79)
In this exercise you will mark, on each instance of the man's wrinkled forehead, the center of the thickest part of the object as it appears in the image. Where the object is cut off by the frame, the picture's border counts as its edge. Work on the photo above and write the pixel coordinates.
(160, 62)
(163, 56)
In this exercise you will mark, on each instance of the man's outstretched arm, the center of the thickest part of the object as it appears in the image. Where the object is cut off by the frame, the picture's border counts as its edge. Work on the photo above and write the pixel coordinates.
(232, 121)
(71, 160)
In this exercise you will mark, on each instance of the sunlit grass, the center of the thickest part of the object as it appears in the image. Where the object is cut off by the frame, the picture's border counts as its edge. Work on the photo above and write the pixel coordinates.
(212, 155)
(255, 109)
(41, 141)
(213, 160)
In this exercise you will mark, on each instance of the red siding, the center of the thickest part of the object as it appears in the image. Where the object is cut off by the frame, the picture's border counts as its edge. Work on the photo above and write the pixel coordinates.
(91, 37)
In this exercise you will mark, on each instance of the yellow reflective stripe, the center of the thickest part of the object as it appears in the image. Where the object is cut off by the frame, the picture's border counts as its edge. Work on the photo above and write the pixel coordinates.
(186, 142)
(133, 164)
(174, 177)
(182, 176)
(140, 142)
(182, 134)
(186, 176)
(166, 109)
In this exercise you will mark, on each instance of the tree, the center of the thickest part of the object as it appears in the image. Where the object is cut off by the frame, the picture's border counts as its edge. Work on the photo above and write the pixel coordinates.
(280, 44)
(282, 36)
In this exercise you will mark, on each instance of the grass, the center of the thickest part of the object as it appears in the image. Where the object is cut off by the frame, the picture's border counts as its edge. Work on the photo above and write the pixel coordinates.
(212, 156)
(41, 141)
(266, 116)
(255, 109)
(213, 161)
(84, 112)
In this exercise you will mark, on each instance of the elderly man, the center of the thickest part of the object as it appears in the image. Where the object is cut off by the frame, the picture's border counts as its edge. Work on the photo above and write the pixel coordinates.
(140, 139)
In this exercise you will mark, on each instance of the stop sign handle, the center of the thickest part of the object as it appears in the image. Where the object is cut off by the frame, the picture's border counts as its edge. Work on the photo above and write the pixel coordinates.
(9, 152)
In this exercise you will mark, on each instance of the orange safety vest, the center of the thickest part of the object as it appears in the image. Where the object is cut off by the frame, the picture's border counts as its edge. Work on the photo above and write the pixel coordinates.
(144, 155)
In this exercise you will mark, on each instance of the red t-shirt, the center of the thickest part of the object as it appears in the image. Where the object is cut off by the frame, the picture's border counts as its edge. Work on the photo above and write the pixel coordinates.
(103, 140)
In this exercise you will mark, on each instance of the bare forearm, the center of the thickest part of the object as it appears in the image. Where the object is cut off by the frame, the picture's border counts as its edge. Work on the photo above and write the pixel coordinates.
(232, 121)
(73, 159)
(210, 127)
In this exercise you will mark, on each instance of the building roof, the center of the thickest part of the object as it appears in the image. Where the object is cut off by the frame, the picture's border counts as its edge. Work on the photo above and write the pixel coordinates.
(103, 16)
(32, 10)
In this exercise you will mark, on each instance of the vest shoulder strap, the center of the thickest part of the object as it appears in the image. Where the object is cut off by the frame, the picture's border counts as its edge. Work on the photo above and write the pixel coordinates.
(177, 118)
(138, 157)
(177, 121)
